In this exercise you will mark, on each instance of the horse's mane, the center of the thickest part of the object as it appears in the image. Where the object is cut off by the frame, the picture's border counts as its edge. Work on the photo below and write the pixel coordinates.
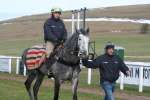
(69, 46)
(71, 40)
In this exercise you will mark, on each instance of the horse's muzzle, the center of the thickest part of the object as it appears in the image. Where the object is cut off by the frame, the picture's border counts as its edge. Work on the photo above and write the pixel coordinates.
(83, 55)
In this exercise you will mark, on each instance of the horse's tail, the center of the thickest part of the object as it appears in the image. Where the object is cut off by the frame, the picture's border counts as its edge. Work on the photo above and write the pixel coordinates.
(23, 57)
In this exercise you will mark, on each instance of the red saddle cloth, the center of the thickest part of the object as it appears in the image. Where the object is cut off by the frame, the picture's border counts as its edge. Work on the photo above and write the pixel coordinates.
(34, 57)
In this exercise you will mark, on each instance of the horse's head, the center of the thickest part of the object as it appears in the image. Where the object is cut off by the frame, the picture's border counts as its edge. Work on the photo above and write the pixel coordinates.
(78, 43)
(83, 41)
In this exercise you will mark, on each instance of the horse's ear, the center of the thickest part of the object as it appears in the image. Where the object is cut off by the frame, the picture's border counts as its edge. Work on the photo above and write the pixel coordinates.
(88, 31)
(76, 30)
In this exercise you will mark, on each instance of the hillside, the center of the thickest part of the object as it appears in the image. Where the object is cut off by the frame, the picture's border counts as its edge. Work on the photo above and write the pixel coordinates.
(17, 34)
(36, 21)
(131, 11)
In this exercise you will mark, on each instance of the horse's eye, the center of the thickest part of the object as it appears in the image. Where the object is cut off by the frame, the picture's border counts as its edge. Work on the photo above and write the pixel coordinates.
(79, 39)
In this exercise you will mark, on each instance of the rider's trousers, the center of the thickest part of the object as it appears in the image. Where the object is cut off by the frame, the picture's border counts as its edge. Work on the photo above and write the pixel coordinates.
(49, 48)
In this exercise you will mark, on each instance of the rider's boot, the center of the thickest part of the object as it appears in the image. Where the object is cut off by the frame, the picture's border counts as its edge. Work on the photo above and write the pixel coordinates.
(49, 62)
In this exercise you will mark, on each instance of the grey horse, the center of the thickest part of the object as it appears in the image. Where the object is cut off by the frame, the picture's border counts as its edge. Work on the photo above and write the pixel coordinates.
(65, 68)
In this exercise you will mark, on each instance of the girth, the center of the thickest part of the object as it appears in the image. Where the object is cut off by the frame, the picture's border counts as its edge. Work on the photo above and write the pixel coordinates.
(68, 63)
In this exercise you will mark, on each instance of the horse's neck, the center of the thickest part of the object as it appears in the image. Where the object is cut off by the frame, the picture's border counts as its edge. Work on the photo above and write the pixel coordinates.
(67, 53)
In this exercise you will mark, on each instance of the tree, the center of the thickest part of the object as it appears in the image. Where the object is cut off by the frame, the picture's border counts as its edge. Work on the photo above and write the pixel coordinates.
(144, 28)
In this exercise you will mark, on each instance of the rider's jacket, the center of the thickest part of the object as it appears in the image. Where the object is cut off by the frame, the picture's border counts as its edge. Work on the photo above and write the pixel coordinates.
(54, 30)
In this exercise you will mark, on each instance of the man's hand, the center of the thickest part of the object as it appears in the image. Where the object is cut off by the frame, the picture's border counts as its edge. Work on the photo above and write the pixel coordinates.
(128, 73)
(84, 61)
(91, 56)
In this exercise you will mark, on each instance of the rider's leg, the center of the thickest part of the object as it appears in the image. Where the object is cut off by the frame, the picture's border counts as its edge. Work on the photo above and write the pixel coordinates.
(49, 48)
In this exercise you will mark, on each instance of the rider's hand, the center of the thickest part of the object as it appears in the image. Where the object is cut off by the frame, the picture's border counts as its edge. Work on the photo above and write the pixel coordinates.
(64, 40)
(60, 42)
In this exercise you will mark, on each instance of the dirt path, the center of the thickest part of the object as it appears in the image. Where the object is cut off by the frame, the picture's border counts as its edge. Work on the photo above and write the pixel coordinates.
(121, 95)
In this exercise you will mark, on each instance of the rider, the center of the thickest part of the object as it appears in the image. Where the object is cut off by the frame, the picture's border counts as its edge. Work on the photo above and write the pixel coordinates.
(55, 31)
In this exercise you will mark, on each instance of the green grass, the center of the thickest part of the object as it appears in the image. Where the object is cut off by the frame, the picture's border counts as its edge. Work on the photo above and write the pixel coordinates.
(16, 46)
(12, 90)
(135, 45)
(132, 89)
(15, 90)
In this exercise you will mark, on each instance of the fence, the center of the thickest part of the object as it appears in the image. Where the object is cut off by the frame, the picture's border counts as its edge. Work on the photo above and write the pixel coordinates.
(139, 75)
(8, 66)
(139, 72)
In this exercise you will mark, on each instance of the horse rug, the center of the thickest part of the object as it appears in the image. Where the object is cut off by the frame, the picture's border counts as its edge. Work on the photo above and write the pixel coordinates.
(35, 57)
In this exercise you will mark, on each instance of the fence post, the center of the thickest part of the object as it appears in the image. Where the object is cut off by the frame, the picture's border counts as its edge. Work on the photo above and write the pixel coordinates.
(10, 65)
(73, 21)
(141, 79)
(17, 66)
(78, 24)
(89, 75)
(122, 81)
(25, 71)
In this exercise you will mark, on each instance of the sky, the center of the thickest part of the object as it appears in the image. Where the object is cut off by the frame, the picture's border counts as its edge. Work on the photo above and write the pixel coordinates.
(16, 8)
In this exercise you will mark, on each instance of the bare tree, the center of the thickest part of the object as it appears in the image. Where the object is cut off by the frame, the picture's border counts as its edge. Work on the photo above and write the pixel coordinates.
(145, 28)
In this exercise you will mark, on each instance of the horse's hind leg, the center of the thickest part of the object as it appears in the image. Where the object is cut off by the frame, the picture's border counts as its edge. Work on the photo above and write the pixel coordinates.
(56, 89)
(28, 83)
(37, 84)
(74, 88)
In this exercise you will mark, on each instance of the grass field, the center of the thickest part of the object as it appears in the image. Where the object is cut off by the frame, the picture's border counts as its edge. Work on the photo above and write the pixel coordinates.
(12, 90)
(12, 87)
(134, 44)
(15, 90)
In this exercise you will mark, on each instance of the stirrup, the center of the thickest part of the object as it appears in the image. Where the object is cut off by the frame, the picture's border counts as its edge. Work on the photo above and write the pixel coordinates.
(50, 74)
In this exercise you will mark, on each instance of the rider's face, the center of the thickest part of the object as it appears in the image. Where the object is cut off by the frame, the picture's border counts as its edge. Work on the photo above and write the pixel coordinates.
(57, 15)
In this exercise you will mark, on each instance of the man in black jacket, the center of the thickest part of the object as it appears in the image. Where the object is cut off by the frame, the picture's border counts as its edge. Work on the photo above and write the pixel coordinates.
(54, 30)
(109, 66)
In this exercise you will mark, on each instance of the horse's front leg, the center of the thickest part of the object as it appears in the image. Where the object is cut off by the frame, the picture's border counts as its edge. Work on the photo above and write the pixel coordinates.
(28, 83)
(56, 89)
(74, 87)
(37, 84)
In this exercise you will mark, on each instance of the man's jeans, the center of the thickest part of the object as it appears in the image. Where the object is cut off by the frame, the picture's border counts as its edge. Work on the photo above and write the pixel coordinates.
(108, 89)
